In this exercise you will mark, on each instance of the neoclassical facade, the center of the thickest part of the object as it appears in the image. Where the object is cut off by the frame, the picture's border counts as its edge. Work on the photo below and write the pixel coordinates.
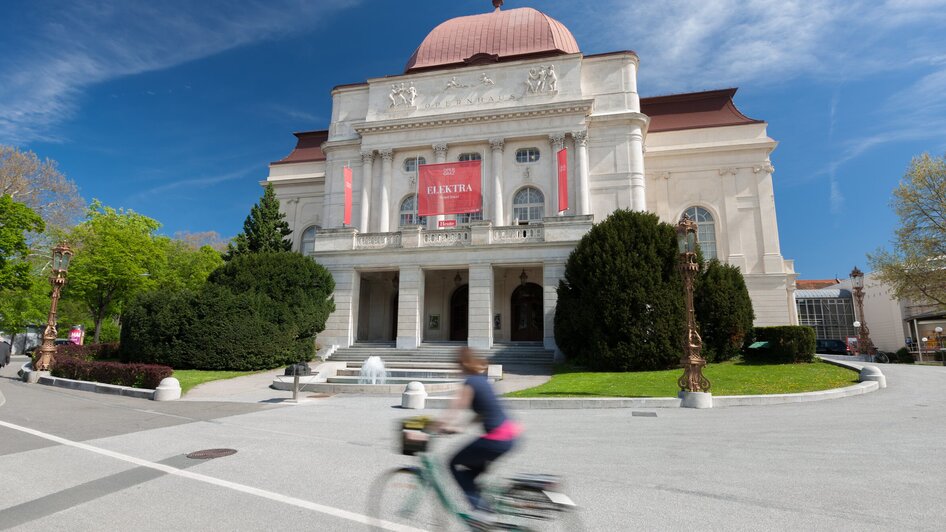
(510, 88)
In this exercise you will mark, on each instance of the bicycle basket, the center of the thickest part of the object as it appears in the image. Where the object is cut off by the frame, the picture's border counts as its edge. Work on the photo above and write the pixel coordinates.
(413, 438)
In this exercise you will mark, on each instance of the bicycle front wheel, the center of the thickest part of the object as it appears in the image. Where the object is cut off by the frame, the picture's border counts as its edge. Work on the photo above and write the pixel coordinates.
(402, 496)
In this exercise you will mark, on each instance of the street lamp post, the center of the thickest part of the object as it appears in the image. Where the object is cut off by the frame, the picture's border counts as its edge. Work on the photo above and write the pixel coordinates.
(60, 264)
(693, 362)
(864, 344)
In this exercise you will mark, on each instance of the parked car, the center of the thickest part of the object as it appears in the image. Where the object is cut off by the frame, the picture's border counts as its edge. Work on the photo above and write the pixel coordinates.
(830, 347)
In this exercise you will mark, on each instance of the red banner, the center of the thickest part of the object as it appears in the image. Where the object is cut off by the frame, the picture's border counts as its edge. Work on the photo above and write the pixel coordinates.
(347, 174)
(562, 180)
(449, 188)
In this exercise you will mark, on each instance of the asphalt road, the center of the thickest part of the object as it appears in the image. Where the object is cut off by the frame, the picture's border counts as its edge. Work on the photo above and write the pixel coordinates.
(79, 461)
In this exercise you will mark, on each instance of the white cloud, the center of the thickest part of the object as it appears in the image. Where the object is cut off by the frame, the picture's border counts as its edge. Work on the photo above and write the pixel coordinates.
(80, 44)
(196, 182)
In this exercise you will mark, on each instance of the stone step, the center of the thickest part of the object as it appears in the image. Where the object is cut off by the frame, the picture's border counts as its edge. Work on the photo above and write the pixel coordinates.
(390, 381)
(416, 374)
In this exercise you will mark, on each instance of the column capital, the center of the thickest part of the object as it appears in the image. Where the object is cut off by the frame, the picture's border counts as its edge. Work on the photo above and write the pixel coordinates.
(387, 154)
(557, 140)
(496, 144)
(440, 148)
(367, 156)
(581, 137)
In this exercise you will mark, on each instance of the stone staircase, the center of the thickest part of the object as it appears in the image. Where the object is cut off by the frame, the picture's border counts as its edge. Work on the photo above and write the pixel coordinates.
(442, 355)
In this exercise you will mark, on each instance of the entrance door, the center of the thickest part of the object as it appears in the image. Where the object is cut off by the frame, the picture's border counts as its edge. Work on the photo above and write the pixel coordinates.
(459, 313)
(527, 320)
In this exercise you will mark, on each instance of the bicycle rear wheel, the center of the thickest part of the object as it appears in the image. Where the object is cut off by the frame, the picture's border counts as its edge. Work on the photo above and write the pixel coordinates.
(529, 508)
(402, 496)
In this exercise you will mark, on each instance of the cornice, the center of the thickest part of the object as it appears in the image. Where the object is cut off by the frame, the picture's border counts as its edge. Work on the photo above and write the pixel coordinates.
(485, 115)
(622, 116)
(664, 151)
(294, 180)
(330, 145)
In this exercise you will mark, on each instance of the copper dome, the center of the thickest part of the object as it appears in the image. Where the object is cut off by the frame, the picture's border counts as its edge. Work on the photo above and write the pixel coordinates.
(492, 37)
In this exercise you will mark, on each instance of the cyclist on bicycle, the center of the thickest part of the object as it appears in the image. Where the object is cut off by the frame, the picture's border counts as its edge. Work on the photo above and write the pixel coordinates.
(500, 431)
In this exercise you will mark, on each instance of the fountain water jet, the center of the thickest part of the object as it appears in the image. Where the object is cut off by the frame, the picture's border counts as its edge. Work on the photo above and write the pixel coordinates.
(372, 371)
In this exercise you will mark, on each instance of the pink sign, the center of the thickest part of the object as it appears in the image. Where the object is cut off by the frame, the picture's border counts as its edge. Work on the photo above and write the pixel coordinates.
(76, 334)
(447, 223)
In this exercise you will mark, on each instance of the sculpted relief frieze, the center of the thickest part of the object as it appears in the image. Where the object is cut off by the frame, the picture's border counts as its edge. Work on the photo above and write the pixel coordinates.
(471, 90)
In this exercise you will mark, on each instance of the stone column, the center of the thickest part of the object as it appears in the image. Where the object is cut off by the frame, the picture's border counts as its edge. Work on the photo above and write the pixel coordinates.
(584, 187)
(367, 168)
(410, 307)
(765, 219)
(638, 196)
(557, 142)
(384, 211)
(480, 324)
(440, 156)
(496, 146)
(552, 272)
(339, 325)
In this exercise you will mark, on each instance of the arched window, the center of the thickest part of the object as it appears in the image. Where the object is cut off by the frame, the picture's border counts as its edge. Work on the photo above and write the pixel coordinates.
(528, 205)
(527, 155)
(705, 230)
(409, 212)
(308, 239)
(410, 165)
(471, 156)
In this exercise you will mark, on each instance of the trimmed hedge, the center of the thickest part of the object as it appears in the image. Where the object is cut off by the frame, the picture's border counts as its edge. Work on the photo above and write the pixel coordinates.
(903, 356)
(787, 344)
(88, 351)
(723, 310)
(136, 375)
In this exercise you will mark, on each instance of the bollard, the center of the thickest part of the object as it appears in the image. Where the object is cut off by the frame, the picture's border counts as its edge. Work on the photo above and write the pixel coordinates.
(169, 389)
(873, 373)
(414, 396)
(295, 386)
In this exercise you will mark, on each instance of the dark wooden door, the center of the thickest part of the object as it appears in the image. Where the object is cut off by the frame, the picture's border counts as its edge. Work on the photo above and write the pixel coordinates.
(460, 313)
(527, 321)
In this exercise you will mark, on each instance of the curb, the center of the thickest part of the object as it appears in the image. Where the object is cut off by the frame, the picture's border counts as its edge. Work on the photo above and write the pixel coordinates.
(673, 402)
(97, 387)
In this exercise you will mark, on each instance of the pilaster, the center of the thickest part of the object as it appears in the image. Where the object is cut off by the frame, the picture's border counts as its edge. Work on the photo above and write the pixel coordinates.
(480, 324)
(496, 147)
(410, 299)
(584, 187)
(387, 162)
(367, 167)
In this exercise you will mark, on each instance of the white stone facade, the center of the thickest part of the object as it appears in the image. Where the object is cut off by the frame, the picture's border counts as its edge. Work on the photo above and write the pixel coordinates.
(401, 283)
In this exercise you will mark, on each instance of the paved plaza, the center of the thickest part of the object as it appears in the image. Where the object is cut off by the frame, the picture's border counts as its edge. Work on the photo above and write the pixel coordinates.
(73, 460)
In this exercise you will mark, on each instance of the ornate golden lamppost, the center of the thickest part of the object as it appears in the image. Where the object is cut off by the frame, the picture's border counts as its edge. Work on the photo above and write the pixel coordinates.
(864, 345)
(60, 264)
(693, 362)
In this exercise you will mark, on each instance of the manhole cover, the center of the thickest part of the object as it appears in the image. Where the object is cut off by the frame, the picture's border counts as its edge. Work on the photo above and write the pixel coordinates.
(644, 414)
(207, 454)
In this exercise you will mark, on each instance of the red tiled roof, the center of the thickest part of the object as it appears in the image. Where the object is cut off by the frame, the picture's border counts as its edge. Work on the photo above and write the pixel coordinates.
(308, 148)
(815, 284)
(694, 110)
(495, 36)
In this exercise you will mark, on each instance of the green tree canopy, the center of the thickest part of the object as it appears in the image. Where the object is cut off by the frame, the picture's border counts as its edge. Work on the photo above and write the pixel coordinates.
(16, 220)
(916, 267)
(183, 265)
(620, 306)
(116, 253)
(265, 229)
(723, 310)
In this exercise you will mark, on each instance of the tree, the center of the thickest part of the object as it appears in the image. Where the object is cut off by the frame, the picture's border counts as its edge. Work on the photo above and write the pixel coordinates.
(21, 307)
(264, 230)
(184, 266)
(16, 220)
(916, 267)
(40, 186)
(620, 304)
(723, 310)
(116, 253)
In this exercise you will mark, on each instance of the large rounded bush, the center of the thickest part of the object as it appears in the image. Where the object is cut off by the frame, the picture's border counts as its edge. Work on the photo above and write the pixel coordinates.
(620, 306)
(258, 311)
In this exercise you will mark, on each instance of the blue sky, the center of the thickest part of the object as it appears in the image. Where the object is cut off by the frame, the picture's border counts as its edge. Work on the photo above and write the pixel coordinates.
(175, 108)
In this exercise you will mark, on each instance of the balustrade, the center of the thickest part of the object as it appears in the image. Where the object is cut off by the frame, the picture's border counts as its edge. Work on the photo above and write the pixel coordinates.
(518, 233)
(378, 240)
(455, 237)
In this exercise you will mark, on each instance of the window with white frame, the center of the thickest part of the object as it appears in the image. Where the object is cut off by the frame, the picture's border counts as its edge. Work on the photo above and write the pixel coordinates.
(705, 230)
(470, 156)
(528, 205)
(410, 165)
(308, 240)
(409, 212)
(527, 155)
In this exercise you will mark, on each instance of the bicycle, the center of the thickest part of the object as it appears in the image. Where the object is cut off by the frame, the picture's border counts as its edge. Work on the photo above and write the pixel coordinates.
(416, 496)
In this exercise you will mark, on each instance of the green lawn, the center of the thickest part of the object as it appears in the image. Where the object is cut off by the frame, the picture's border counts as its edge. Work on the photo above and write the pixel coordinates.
(192, 377)
(727, 378)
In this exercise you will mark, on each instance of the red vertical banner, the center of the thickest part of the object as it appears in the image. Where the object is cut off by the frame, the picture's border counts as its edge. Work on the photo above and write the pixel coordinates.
(562, 180)
(347, 174)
